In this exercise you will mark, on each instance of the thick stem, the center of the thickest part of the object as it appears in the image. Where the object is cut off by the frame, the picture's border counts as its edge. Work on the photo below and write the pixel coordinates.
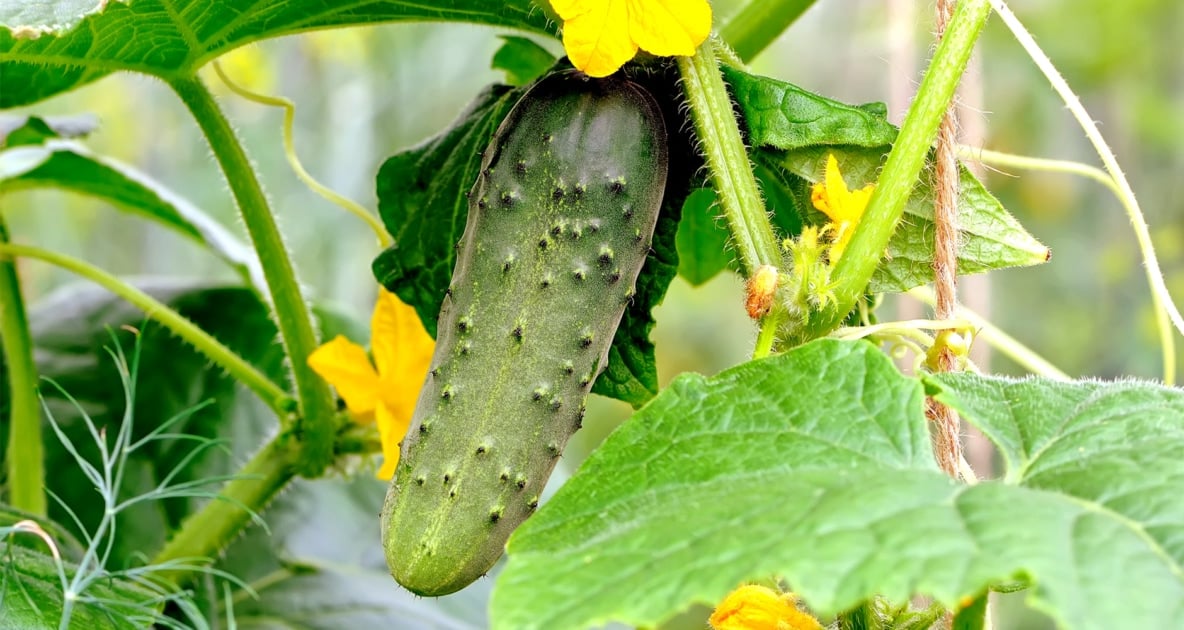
(271, 394)
(904, 164)
(208, 531)
(761, 22)
(317, 419)
(26, 453)
(727, 160)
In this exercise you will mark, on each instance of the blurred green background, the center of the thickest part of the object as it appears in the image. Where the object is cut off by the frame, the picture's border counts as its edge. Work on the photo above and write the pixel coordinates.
(362, 94)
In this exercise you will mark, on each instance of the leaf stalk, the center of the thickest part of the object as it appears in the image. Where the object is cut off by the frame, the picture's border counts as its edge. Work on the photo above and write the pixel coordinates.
(317, 421)
(237, 367)
(26, 453)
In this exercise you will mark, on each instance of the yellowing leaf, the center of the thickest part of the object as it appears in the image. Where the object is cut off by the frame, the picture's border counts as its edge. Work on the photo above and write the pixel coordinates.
(600, 36)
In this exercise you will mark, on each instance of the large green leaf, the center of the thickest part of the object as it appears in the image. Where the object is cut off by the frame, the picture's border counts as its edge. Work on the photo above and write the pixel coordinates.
(35, 155)
(31, 596)
(1117, 446)
(796, 130)
(816, 466)
(54, 48)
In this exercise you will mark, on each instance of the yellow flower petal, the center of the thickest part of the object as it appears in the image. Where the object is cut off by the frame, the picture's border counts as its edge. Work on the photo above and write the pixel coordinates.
(753, 607)
(669, 27)
(402, 350)
(345, 366)
(600, 36)
(390, 432)
(844, 207)
(597, 39)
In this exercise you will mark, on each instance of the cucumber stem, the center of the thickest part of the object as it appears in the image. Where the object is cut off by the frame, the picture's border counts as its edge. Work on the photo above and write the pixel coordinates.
(317, 420)
(26, 455)
(727, 160)
(854, 270)
(277, 399)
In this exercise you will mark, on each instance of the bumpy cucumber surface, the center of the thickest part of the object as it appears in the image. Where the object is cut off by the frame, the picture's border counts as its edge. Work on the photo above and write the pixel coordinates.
(559, 225)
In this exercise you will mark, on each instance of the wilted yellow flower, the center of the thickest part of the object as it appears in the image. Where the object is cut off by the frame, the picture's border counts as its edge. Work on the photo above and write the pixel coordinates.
(600, 36)
(754, 607)
(844, 207)
(402, 352)
(761, 289)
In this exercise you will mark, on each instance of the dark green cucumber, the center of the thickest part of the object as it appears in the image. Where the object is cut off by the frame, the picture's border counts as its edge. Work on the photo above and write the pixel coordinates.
(559, 225)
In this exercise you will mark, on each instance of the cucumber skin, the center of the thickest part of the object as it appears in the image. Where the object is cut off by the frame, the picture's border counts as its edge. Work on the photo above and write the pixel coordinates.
(559, 226)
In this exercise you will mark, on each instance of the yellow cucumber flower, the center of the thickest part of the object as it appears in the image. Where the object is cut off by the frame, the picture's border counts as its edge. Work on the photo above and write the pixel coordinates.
(402, 352)
(754, 607)
(600, 36)
(844, 207)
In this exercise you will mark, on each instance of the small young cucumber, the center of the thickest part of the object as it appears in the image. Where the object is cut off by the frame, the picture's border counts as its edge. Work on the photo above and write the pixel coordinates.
(560, 222)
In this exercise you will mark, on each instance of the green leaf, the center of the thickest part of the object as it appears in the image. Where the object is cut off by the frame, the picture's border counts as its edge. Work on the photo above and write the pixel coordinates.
(702, 241)
(31, 596)
(22, 130)
(1114, 445)
(45, 160)
(522, 60)
(815, 466)
(784, 116)
(795, 130)
(703, 244)
(422, 202)
(988, 237)
(173, 39)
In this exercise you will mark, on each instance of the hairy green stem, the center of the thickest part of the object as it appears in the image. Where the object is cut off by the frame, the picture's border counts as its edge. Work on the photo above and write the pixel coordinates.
(767, 335)
(900, 174)
(1166, 313)
(317, 424)
(26, 453)
(761, 22)
(727, 160)
(1011, 160)
(209, 530)
(237, 367)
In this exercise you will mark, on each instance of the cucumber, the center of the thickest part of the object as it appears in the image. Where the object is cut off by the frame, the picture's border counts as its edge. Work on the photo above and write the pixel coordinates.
(560, 222)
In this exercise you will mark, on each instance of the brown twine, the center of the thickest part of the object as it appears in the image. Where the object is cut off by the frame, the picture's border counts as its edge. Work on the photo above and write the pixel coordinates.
(947, 445)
